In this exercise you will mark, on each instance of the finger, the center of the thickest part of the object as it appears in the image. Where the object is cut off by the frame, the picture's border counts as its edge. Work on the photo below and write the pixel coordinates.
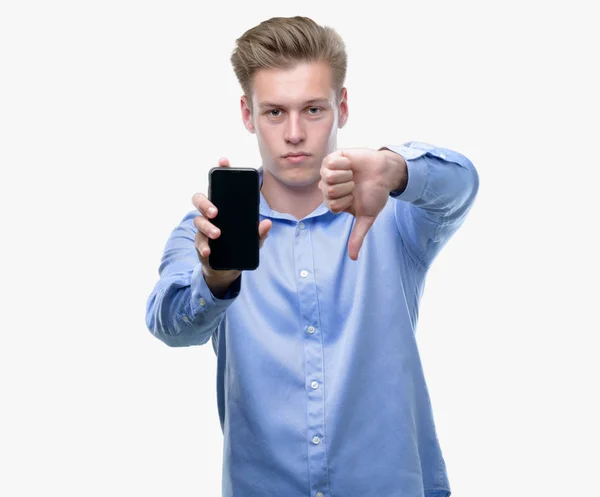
(264, 228)
(201, 243)
(337, 191)
(340, 204)
(205, 226)
(337, 162)
(204, 205)
(361, 228)
(333, 176)
(224, 162)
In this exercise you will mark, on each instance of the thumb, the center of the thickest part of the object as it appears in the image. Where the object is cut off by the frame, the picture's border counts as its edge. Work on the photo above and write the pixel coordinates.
(224, 162)
(264, 228)
(361, 228)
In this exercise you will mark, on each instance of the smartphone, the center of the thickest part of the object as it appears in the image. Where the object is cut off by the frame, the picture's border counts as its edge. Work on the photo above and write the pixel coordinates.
(235, 192)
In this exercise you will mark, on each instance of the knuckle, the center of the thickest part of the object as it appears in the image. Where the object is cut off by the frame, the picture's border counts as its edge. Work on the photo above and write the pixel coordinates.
(203, 231)
(197, 221)
(197, 199)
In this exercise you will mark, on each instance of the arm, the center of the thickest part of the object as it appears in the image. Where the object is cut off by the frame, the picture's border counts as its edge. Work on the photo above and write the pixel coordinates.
(435, 190)
(181, 309)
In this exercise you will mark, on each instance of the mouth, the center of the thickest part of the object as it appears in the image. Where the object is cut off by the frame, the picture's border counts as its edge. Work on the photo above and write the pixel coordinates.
(296, 157)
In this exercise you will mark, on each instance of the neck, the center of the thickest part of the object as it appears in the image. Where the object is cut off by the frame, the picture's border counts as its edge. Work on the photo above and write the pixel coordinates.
(296, 201)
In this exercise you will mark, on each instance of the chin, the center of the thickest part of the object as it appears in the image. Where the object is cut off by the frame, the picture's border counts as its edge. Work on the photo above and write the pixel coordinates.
(298, 175)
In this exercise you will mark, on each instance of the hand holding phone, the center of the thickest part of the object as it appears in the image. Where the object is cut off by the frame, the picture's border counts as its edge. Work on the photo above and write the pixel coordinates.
(209, 229)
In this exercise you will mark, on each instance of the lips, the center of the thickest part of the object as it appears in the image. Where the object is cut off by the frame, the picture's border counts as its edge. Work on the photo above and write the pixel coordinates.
(296, 154)
(296, 158)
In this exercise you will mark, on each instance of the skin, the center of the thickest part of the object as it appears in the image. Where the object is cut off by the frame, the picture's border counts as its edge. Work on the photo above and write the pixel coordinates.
(294, 124)
(296, 110)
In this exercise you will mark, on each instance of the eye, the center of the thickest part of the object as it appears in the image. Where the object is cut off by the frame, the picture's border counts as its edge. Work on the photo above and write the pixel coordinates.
(270, 112)
(317, 109)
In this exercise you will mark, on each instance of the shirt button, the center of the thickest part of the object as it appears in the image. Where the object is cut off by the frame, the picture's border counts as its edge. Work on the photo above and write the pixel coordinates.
(304, 273)
(203, 302)
(301, 225)
(186, 319)
(316, 440)
(319, 494)
(311, 329)
(315, 385)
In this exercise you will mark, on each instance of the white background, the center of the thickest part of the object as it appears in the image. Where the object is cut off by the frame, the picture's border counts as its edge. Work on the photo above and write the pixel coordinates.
(111, 114)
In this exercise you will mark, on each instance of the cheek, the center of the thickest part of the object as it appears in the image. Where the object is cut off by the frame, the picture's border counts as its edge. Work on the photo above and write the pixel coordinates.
(328, 133)
(328, 126)
(265, 134)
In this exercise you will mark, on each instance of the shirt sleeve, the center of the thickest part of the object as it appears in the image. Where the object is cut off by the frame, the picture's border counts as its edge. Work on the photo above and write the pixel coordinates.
(181, 310)
(441, 189)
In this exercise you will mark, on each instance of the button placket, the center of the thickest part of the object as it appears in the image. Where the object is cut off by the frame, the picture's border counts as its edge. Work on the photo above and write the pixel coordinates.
(313, 357)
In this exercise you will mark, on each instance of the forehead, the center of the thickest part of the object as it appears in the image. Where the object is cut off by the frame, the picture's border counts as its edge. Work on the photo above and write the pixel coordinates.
(301, 83)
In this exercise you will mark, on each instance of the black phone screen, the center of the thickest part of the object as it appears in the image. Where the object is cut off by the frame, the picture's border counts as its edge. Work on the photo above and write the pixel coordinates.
(235, 192)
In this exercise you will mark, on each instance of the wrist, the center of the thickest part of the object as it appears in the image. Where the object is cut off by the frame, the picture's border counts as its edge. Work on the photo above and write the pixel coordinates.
(218, 282)
(397, 171)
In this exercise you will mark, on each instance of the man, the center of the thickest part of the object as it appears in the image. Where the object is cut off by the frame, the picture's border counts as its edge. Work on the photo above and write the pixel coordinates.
(320, 386)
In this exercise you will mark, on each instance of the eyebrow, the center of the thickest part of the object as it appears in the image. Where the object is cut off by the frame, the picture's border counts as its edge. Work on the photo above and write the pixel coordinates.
(262, 105)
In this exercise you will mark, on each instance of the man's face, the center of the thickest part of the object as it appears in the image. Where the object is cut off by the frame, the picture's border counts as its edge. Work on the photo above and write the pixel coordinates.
(295, 112)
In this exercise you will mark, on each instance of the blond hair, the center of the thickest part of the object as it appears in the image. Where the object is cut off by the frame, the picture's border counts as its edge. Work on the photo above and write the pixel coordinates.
(282, 42)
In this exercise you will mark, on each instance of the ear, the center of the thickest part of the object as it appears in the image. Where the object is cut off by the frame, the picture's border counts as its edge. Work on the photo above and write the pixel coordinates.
(343, 108)
(246, 114)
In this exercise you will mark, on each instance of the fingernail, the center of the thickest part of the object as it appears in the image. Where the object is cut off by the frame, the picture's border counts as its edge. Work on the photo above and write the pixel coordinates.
(212, 211)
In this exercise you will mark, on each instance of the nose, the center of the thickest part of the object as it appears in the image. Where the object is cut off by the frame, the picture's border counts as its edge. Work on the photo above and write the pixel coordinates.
(294, 132)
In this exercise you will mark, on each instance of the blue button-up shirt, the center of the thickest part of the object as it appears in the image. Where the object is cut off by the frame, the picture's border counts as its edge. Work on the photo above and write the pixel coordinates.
(320, 387)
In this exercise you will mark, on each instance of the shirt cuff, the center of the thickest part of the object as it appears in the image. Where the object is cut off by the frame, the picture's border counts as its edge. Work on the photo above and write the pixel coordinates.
(204, 300)
(417, 172)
